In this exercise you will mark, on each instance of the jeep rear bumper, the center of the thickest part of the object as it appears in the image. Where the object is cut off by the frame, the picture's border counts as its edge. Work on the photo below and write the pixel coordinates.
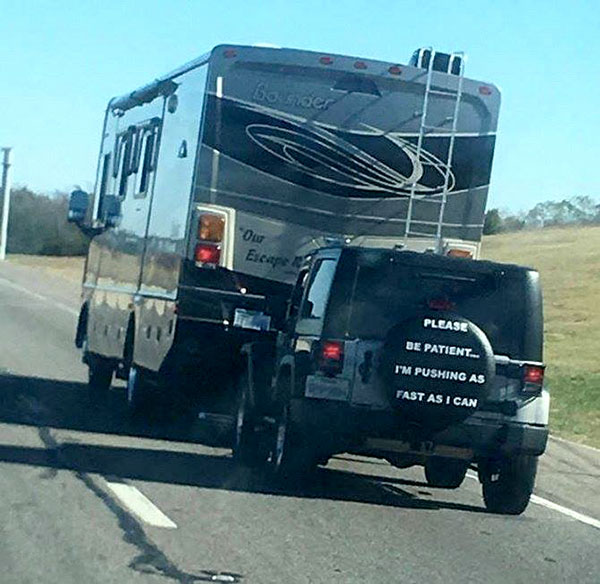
(345, 427)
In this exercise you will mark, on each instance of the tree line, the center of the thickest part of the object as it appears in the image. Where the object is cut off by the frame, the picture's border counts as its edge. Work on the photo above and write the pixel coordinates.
(581, 210)
(38, 223)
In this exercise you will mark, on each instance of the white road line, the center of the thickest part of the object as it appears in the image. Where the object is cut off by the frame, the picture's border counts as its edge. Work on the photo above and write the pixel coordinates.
(140, 505)
(566, 511)
(571, 443)
(555, 507)
(24, 290)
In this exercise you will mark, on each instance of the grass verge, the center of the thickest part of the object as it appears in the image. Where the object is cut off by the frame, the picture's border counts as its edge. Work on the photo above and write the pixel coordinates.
(568, 260)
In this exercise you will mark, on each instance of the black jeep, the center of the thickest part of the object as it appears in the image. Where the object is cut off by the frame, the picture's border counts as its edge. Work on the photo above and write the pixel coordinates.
(412, 357)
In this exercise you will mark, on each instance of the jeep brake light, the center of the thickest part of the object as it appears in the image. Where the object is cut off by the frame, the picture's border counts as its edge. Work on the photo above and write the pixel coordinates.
(331, 359)
(207, 254)
(533, 378)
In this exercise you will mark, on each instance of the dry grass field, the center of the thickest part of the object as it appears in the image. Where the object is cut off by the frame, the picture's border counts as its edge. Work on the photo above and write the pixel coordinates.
(70, 268)
(569, 263)
(568, 260)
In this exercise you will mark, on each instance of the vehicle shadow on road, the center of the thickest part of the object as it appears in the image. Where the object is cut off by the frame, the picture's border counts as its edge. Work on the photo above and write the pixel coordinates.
(49, 405)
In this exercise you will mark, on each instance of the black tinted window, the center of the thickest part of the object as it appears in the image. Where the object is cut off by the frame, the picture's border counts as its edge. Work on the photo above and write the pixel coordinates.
(383, 292)
(318, 291)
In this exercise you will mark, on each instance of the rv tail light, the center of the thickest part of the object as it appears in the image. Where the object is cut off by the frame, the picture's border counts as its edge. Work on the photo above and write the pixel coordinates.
(325, 60)
(207, 254)
(485, 90)
(211, 227)
(459, 253)
(360, 65)
(229, 53)
(395, 70)
(533, 378)
(331, 358)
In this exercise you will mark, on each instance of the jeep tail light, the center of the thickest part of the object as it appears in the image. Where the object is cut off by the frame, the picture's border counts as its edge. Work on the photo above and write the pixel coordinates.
(331, 358)
(533, 378)
(211, 227)
(207, 254)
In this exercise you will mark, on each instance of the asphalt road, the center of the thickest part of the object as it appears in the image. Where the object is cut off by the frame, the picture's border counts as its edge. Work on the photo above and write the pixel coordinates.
(87, 495)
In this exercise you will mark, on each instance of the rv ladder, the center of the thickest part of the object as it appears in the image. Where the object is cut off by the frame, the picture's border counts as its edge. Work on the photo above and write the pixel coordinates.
(449, 127)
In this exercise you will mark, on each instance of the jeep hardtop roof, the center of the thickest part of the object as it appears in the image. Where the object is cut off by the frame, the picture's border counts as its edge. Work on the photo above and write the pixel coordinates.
(376, 289)
(425, 259)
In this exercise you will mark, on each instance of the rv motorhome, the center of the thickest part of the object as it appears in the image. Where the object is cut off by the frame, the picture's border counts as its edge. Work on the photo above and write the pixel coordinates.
(216, 180)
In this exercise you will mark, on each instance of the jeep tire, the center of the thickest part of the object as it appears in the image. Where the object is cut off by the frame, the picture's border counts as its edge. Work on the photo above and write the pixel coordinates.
(293, 455)
(445, 473)
(507, 484)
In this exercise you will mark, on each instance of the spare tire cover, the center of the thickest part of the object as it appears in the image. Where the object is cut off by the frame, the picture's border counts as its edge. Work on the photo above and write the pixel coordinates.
(438, 368)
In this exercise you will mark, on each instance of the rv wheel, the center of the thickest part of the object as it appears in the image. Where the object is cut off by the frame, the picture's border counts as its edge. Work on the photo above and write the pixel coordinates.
(137, 390)
(100, 374)
(246, 442)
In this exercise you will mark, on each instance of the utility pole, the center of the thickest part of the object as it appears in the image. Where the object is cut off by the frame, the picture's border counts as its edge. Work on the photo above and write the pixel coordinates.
(5, 202)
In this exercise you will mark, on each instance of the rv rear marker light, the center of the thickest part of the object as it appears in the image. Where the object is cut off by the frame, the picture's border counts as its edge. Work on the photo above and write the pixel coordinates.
(211, 227)
(325, 60)
(459, 253)
(485, 90)
(395, 70)
(360, 65)
(206, 253)
(229, 53)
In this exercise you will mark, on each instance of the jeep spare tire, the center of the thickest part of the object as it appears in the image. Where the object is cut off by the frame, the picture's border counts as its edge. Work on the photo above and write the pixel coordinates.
(438, 368)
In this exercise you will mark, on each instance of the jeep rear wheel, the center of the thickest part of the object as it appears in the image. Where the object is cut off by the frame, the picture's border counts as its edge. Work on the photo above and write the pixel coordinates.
(293, 456)
(445, 473)
(507, 484)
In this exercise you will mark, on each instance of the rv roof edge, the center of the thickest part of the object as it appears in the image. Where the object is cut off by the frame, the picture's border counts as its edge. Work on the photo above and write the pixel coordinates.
(148, 92)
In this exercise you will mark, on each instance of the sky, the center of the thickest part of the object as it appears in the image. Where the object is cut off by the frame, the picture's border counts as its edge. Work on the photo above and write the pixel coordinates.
(62, 60)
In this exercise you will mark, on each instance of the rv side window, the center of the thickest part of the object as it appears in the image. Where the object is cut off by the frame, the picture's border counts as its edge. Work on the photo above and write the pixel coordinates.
(146, 155)
(148, 143)
(122, 165)
(103, 183)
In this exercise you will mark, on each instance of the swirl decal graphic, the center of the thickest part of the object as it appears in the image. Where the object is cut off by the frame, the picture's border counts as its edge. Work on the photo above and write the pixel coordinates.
(363, 163)
(329, 158)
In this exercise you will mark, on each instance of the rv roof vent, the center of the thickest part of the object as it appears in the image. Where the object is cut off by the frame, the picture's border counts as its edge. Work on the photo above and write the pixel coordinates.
(353, 83)
(443, 62)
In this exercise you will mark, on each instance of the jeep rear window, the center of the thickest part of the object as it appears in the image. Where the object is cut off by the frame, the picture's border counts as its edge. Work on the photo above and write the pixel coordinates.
(384, 292)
